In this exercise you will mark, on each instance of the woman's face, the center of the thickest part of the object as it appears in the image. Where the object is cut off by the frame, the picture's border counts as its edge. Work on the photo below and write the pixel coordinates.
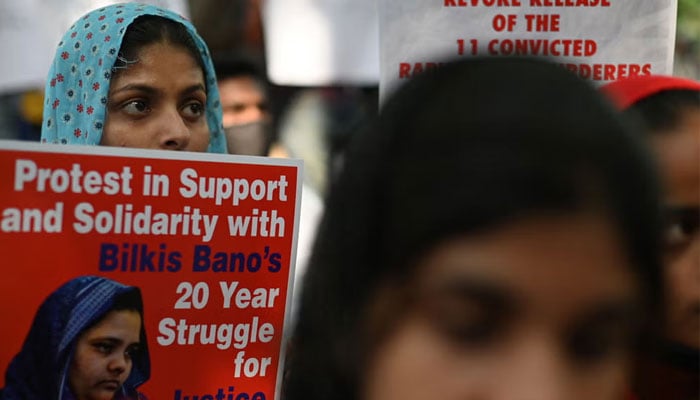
(158, 102)
(103, 356)
(542, 308)
(679, 155)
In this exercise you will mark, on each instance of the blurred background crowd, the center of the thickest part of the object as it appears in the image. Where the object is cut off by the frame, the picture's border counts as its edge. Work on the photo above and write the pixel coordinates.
(308, 122)
(314, 116)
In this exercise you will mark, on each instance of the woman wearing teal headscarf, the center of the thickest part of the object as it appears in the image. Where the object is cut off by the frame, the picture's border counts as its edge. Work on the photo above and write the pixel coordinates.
(133, 75)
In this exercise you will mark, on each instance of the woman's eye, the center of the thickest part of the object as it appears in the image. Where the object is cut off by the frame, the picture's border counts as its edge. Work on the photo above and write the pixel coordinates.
(468, 333)
(468, 315)
(136, 107)
(132, 351)
(681, 226)
(605, 334)
(593, 345)
(104, 348)
(675, 235)
(466, 323)
(193, 109)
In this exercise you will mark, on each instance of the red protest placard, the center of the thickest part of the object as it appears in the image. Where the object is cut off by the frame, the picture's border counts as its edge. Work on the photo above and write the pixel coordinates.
(208, 239)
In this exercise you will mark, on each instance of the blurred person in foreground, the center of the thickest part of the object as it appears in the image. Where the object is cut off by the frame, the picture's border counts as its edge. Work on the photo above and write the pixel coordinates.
(494, 235)
(670, 108)
(133, 75)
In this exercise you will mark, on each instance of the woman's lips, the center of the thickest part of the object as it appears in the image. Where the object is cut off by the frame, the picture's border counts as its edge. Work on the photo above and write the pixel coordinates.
(110, 384)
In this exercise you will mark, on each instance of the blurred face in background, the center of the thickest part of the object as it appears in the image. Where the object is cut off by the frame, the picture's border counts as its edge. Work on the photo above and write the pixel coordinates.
(245, 115)
(243, 100)
(540, 308)
(678, 152)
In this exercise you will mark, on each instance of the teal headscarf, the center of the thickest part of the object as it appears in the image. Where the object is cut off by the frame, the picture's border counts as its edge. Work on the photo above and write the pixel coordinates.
(78, 83)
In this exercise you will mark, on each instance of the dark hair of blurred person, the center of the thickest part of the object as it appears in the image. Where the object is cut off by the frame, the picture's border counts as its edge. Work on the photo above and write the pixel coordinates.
(493, 235)
(670, 108)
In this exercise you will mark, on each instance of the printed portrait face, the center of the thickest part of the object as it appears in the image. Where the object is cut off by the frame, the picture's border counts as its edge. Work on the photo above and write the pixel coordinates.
(102, 360)
(158, 102)
(679, 156)
(542, 308)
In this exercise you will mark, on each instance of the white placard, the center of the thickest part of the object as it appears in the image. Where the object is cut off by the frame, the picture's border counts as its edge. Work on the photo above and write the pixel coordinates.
(321, 42)
(601, 40)
(31, 29)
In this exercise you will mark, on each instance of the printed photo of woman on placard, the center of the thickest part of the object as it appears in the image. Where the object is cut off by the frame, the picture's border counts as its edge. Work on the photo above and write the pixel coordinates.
(87, 341)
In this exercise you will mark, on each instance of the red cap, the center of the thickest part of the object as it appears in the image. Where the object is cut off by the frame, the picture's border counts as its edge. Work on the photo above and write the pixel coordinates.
(626, 92)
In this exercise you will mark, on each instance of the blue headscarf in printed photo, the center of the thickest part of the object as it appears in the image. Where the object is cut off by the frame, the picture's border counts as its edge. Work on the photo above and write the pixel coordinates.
(77, 88)
(39, 371)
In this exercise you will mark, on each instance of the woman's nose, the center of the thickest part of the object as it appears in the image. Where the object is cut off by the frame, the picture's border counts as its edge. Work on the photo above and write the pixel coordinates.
(174, 131)
(119, 364)
(538, 371)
